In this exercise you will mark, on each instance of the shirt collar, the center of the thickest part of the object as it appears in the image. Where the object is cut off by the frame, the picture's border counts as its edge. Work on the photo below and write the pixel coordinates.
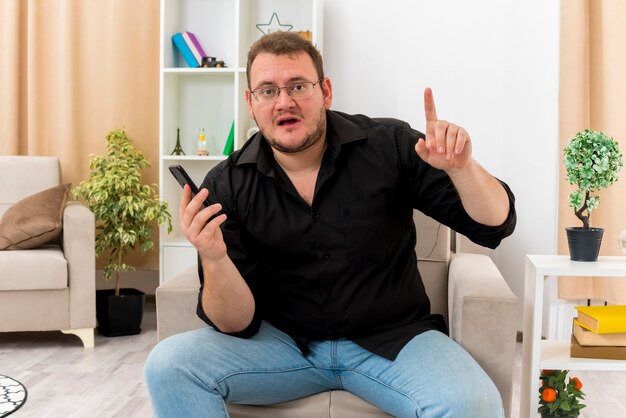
(339, 131)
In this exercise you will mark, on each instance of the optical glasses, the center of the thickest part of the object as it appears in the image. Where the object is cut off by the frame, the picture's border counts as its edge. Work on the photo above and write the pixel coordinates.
(297, 91)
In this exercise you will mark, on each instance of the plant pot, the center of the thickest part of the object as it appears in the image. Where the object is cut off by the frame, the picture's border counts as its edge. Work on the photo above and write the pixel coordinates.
(553, 416)
(119, 315)
(584, 244)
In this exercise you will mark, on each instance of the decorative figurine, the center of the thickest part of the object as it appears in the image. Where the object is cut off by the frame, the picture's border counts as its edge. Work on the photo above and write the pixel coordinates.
(274, 25)
(178, 150)
(212, 62)
(202, 147)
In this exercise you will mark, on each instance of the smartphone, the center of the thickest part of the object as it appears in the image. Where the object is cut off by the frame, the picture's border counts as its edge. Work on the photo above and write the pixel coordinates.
(183, 178)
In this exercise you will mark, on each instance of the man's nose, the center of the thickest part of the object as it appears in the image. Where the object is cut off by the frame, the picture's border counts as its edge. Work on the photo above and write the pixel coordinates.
(284, 100)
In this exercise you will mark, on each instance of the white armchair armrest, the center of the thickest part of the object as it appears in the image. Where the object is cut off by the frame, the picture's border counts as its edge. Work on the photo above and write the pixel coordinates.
(483, 316)
(79, 249)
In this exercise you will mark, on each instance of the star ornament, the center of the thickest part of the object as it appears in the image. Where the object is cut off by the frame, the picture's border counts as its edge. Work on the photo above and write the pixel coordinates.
(274, 25)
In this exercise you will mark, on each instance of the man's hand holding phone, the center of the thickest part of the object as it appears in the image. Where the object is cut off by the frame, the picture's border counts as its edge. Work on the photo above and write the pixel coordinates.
(199, 220)
(205, 235)
(226, 297)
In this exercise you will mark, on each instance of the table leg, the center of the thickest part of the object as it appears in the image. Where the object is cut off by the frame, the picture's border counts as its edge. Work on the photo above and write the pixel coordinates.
(531, 346)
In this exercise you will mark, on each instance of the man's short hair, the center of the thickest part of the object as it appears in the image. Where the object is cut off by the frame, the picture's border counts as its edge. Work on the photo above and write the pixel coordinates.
(285, 43)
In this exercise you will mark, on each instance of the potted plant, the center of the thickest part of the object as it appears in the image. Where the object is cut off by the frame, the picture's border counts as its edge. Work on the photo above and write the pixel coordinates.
(558, 398)
(592, 162)
(125, 212)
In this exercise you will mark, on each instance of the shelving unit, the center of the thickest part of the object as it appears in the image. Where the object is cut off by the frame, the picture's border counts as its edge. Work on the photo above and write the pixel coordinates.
(540, 354)
(210, 98)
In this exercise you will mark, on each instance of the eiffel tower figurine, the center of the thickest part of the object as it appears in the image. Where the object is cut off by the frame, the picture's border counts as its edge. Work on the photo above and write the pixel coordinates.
(178, 150)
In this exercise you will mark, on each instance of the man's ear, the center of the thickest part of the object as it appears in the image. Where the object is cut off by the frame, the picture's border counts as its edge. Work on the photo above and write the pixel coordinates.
(327, 91)
(249, 102)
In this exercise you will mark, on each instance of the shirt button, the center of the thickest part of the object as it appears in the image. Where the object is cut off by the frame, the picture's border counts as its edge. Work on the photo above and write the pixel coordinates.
(346, 212)
(330, 298)
(326, 256)
(316, 216)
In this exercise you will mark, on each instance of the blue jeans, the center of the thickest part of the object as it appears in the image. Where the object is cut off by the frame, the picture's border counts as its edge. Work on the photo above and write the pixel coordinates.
(193, 374)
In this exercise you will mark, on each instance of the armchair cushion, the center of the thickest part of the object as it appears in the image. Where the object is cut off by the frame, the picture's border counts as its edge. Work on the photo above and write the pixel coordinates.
(34, 220)
(41, 268)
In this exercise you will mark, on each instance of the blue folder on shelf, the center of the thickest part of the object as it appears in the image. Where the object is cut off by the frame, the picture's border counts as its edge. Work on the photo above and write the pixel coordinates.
(180, 43)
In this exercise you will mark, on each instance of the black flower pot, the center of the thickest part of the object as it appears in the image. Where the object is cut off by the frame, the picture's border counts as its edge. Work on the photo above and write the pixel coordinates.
(584, 244)
(119, 315)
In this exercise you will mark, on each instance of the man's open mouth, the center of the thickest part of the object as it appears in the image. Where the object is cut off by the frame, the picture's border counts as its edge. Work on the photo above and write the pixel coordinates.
(287, 122)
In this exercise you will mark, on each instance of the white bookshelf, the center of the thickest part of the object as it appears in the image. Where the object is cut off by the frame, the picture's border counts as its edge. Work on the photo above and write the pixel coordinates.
(210, 98)
(540, 354)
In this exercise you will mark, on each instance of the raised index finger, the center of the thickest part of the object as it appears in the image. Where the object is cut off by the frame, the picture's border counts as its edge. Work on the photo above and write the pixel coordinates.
(429, 106)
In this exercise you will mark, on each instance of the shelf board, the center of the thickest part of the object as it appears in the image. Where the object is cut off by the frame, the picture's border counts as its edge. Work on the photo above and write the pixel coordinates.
(193, 158)
(176, 241)
(555, 356)
(561, 265)
(182, 70)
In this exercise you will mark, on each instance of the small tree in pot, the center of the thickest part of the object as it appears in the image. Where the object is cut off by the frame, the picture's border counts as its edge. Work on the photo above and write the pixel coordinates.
(592, 161)
(560, 396)
(125, 211)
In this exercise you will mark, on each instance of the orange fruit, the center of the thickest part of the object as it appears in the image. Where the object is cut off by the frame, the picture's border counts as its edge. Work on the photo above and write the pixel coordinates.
(548, 394)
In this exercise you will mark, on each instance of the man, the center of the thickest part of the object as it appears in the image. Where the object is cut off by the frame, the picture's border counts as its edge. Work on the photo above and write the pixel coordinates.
(307, 263)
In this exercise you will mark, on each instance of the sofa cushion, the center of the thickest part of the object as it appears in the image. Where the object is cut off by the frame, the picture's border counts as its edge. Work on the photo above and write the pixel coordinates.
(34, 220)
(40, 268)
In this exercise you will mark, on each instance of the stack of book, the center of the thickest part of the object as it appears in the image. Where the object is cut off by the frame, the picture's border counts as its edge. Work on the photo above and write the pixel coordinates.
(190, 48)
(599, 332)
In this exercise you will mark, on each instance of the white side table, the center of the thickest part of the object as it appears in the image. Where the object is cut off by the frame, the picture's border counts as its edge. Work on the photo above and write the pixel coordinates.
(547, 354)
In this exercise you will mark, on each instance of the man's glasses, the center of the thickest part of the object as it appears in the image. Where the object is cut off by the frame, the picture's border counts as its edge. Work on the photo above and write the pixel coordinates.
(297, 91)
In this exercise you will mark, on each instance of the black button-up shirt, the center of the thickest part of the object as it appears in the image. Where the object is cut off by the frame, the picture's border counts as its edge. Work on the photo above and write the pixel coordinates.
(344, 267)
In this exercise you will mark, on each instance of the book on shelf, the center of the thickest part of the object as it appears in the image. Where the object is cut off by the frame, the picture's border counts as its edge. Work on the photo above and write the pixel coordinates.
(602, 319)
(586, 337)
(194, 46)
(598, 351)
(180, 43)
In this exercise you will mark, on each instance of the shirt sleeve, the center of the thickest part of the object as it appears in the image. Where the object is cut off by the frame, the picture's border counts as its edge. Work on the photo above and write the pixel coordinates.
(432, 192)
(231, 231)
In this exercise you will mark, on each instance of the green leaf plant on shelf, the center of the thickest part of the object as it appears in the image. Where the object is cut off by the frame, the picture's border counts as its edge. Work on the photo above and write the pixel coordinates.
(560, 396)
(592, 162)
(125, 209)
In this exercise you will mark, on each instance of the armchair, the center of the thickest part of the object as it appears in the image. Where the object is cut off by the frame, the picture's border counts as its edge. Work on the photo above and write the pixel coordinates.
(468, 289)
(51, 287)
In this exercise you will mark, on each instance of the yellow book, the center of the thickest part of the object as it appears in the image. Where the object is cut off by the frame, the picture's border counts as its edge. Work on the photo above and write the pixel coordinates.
(602, 319)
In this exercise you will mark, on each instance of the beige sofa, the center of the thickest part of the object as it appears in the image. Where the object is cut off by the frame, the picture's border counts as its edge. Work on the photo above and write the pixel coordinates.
(467, 289)
(51, 287)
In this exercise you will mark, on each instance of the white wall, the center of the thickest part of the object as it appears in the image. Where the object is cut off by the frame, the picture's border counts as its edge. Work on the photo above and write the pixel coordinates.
(493, 67)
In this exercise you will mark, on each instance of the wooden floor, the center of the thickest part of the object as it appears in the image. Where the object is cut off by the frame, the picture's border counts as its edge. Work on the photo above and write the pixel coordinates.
(64, 380)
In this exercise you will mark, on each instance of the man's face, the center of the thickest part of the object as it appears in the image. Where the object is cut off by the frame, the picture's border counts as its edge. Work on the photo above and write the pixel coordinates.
(288, 125)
